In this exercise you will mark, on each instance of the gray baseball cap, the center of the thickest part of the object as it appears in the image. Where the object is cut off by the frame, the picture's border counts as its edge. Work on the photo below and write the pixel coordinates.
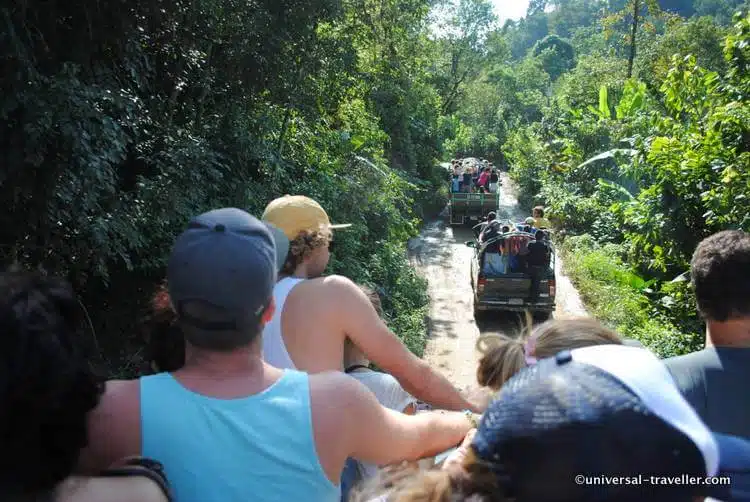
(226, 261)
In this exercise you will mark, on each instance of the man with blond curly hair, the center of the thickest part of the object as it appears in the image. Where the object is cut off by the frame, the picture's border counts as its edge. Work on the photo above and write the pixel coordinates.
(315, 315)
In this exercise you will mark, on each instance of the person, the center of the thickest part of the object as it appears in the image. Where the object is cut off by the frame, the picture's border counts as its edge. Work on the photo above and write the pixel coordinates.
(490, 231)
(227, 425)
(711, 378)
(315, 315)
(165, 347)
(537, 262)
(479, 228)
(484, 180)
(48, 391)
(559, 429)
(494, 181)
(503, 357)
(539, 220)
(385, 388)
(466, 181)
(455, 184)
(164, 343)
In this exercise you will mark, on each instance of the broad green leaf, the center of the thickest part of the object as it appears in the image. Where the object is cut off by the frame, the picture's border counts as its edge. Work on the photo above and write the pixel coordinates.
(604, 111)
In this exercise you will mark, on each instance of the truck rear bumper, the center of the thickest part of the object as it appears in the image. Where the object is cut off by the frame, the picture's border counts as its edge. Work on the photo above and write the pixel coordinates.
(514, 306)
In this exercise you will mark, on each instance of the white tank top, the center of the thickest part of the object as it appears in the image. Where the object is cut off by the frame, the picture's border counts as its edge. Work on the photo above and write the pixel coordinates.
(274, 350)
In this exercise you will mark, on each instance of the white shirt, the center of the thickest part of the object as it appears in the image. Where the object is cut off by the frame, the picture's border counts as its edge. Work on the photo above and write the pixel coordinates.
(390, 394)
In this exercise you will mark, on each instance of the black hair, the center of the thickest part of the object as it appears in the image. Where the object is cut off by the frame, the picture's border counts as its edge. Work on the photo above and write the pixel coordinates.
(47, 387)
(539, 235)
(491, 215)
(720, 272)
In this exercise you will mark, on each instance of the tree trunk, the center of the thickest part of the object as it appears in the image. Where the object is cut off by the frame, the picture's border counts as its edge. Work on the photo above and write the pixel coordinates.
(633, 33)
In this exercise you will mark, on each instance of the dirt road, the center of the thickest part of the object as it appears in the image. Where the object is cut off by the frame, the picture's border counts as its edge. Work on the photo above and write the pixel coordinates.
(441, 255)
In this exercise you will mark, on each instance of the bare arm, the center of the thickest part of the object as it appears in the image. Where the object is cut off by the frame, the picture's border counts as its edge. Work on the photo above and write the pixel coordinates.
(358, 426)
(381, 346)
(114, 427)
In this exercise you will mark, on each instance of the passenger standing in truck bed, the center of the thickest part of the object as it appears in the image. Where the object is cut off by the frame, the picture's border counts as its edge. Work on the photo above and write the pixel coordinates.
(467, 180)
(538, 261)
(494, 180)
(539, 220)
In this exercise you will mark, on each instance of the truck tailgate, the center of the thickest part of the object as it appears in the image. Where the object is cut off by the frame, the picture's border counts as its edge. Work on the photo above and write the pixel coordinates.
(501, 288)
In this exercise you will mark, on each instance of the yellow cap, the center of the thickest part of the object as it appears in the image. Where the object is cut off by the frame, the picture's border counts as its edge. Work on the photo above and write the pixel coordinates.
(296, 213)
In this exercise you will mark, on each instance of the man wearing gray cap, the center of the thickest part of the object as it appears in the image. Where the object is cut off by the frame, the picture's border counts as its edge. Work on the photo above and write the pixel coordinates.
(229, 427)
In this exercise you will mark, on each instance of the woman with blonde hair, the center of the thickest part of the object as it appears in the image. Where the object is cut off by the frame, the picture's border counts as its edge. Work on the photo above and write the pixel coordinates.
(504, 357)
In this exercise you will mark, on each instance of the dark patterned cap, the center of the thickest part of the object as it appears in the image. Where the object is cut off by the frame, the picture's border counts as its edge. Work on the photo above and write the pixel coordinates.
(603, 423)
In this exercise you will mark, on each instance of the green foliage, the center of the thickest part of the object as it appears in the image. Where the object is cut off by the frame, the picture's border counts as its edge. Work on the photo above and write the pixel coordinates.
(529, 163)
(619, 297)
(632, 101)
(720, 10)
(700, 37)
(580, 88)
(556, 54)
(644, 167)
(121, 120)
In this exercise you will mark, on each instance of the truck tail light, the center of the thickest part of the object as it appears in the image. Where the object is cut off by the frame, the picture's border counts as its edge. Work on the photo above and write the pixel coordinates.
(552, 288)
(480, 284)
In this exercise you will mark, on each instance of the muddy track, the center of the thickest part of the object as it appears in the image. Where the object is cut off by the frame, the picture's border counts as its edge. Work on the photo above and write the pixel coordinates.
(442, 257)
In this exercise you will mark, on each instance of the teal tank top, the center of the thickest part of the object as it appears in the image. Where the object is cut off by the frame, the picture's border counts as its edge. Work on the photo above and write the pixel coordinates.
(258, 448)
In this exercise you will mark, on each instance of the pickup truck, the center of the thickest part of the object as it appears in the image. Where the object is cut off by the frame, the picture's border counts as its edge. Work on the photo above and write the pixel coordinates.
(467, 208)
(499, 279)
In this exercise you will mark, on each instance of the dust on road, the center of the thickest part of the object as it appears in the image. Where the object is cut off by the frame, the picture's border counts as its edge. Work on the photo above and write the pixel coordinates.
(440, 254)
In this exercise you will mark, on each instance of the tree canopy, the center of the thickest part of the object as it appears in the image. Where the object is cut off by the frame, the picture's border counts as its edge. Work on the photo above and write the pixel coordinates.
(121, 120)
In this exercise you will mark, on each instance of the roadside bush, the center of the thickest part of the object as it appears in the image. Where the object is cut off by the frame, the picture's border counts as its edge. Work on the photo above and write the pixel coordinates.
(529, 161)
(121, 120)
(619, 297)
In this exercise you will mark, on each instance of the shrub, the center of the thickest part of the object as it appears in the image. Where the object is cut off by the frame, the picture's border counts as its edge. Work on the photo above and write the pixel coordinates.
(617, 296)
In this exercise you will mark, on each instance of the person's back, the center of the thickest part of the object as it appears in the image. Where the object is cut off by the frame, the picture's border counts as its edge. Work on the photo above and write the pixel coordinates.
(492, 230)
(315, 315)
(225, 449)
(713, 380)
(538, 253)
(312, 337)
(494, 180)
(484, 178)
(455, 184)
(708, 378)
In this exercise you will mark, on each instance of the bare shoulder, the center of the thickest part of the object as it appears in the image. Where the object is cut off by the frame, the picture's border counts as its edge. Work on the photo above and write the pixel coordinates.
(119, 395)
(336, 389)
(334, 288)
(113, 427)
(331, 382)
(334, 283)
